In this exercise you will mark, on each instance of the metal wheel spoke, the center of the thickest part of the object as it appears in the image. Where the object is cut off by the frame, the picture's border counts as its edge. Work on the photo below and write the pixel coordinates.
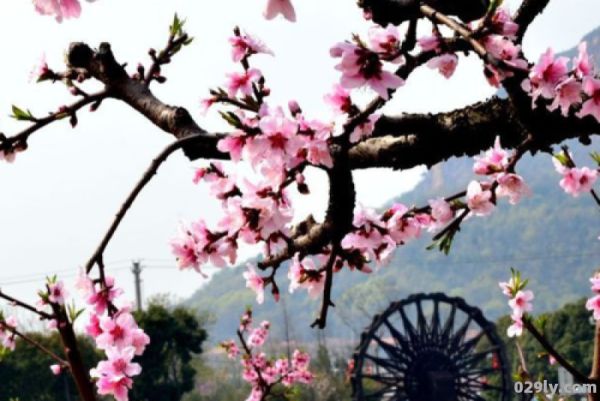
(385, 363)
(422, 357)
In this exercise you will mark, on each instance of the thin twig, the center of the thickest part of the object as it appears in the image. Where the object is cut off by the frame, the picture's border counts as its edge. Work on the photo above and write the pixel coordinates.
(146, 178)
(37, 345)
(26, 306)
(580, 377)
(21, 138)
(321, 322)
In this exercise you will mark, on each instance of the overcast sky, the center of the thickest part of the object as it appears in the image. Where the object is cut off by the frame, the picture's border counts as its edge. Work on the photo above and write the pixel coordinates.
(59, 197)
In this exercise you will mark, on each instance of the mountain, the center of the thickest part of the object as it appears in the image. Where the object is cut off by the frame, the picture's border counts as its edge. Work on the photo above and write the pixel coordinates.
(550, 236)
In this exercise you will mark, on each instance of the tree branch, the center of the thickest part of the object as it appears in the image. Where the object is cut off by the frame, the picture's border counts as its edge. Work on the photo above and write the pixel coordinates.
(177, 121)
(580, 377)
(146, 178)
(527, 13)
(411, 140)
(23, 305)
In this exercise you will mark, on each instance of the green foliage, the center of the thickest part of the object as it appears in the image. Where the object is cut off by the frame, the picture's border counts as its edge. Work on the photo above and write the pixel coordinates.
(21, 115)
(176, 336)
(569, 330)
(26, 374)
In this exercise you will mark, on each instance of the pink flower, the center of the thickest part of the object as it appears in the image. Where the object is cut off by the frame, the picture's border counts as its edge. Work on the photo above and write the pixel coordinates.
(58, 8)
(246, 45)
(568, 93)
(583, 64)
(512, 186)
(576, 181)
(11, 322)
(9, 342)
(441, 211)
(516, 328)
(255, 282)
(231, 348)
(259, 335)
(339, 99)
(479, 200)
(117, 386)
(117, 331)
(56, 369)
(118, 364)
(277, 7)
(93, 328)
(593, 304)
(57, 293)
(401, 228)
(493, 161)
(503, 24)
(40, 70)
(102, 297)
(507, 287)
(233, 144)
(364, 129)
(429, 43)
(445, 64)
(505, 50)
(551, 360)
(385, 40)
(242, 82)
(521, 302)
(545, 76)
(363, 67)
(300, 360)
(304, 274)
(139, 341)
(591, 87)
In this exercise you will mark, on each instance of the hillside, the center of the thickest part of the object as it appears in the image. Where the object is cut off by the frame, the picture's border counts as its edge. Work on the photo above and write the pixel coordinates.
(550, 236)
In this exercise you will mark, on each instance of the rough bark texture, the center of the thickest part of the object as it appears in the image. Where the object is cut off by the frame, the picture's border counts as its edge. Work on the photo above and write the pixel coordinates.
(175, 120)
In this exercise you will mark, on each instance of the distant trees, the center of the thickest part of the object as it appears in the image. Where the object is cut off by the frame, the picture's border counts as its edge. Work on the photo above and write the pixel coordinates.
(177, 334)
(26, 375)
(570, 331)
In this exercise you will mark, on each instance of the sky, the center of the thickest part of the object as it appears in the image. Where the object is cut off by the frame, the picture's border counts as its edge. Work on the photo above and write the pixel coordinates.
(59, 197)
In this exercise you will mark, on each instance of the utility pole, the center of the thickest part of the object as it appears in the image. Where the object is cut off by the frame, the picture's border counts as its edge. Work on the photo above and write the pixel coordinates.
(137, 271)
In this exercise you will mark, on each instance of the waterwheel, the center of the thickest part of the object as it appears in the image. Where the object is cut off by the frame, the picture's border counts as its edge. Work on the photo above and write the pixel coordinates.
(431, 347)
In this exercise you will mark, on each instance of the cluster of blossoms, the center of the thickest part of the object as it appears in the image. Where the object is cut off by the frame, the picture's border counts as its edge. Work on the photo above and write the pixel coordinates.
(278, 146)
(271, 148)
(593, 304)
(376, 236)
(575, 181)
(7, 335)
(568, 89)
(519, 302)
(362, 64)
(116, 332)
(262, 373)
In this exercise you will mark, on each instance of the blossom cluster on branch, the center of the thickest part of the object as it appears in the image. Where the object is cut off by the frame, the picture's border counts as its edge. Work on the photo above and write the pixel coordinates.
(268, 377)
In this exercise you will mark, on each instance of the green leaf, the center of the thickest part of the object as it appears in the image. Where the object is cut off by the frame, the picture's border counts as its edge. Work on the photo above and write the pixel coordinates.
(231, 119)
(494, 4)
(596, 157)
(562, 159)
(21, 115)
(176, 28)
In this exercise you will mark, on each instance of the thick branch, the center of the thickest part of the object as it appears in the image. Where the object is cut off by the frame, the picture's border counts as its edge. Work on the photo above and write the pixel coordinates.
(527, 13)
(411, 140)
(177, 121)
